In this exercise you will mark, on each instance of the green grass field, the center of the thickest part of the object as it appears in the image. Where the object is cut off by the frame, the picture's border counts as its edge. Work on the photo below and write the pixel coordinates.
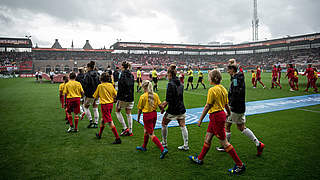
(34, 144)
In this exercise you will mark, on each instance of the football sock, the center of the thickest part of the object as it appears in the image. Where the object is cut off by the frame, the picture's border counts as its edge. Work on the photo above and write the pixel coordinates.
(96, 115)
(129, 118)
(157, 142)
(204, 86)
(66, 114)
(251, 136)
(184, 132)
(204, 150)
(228, 134)
(76, 120)
(115, 132)
(88, 113)
(102, 126)
(81, 109)
(145, 140)
(121, 120)
(70, 119)
(164, 132)
(187, 86)
(230, 149)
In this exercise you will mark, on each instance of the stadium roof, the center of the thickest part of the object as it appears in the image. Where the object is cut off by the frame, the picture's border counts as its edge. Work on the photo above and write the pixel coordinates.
(15, 42)
(56, 45)
(87, 45)
(288, 41)
(72, 50)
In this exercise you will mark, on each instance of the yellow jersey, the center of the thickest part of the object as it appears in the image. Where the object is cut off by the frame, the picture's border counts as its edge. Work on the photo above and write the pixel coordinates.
(295, 74)
(61, 87)
(106, 93)
(138, 74)
(154, 74)
(73, 89)
(315, 74)
(190, 73)
(218, 97)
(144, 103)
(253, 75)
(200, 74)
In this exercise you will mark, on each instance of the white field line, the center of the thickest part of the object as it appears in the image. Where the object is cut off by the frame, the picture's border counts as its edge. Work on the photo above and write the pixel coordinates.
(308, 110)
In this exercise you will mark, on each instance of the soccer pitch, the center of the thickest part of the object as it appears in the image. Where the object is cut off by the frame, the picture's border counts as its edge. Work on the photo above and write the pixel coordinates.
(34, 143)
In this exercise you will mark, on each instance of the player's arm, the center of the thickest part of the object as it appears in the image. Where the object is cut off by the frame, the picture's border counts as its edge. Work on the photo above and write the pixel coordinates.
(204, 113)
(139, 114)
(163, 105)
(228, 110)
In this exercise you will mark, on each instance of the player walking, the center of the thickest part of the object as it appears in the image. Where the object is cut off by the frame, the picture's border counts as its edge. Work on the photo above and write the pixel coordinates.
(311, 80)
(290, 75)
(106, 93)
(279, 73)
(237, 104)
(217, 101)
(155, 79)
(63, 99)
(253, 78)
(73, 90)
(176, 109)
(200, 80)
(147, 105)
(274, 77)
(258, 79)
(80, 79)
(139, 79)
(190, 78)
(125, 98)
(91, 82)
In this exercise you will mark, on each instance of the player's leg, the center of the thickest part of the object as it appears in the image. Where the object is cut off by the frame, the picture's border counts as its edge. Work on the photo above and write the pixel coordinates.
(96, 114)
(87, 111)
(184, 132)
(205, 149)
(120, 118)
(246, 131)
(308, 85)
(164, 129)
(129, 118)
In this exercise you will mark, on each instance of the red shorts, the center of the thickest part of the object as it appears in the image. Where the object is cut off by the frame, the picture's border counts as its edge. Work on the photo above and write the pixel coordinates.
(150, 120)
(295, 79)
(62, 101)
(253, 80)
(217, 124)
(106, 110)
(274, 79)
(258, 78)
(73, 105)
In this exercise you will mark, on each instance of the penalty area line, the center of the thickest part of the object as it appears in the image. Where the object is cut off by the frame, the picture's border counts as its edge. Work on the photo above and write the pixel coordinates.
(308, 110)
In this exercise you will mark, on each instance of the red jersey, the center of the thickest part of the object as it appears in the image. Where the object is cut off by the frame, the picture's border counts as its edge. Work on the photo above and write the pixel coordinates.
(310, 73)
(182, 78)
(290, 73)
(279, 71)
(258, 73)
(274, 72)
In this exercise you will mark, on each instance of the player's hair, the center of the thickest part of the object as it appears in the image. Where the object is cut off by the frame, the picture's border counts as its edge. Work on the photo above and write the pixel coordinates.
(105, 77)
(81, 70)
(172, 70)
(252, 71)
(215, 76)
(91, 64)
(234, 67)
(72, 75)
(147, 86)
(125, 65)
(65, 78)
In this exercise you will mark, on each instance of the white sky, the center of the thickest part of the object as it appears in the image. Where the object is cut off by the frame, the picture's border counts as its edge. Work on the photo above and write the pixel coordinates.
(168, 21)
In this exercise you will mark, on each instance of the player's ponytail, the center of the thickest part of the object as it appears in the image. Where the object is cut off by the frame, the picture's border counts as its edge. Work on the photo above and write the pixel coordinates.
(147, 86)
(172, 70)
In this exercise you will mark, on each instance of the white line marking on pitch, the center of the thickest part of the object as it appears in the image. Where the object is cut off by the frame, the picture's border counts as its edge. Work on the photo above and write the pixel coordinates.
(191, 92)
(308, 110)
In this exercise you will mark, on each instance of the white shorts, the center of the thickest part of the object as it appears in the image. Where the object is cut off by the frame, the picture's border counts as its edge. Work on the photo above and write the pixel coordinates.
(236, 118)
(174, 117)
(89, 101)
(116, 85)
(124, 105)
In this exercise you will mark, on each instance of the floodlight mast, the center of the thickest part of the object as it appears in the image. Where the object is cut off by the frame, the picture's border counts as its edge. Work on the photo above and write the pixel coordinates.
(255, 22)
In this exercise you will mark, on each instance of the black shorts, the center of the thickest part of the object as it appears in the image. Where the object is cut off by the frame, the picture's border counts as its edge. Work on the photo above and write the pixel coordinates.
(200, 79)
(40, 77)
(155, 80)
(139, 80)
(190, 79)
(51, 77)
